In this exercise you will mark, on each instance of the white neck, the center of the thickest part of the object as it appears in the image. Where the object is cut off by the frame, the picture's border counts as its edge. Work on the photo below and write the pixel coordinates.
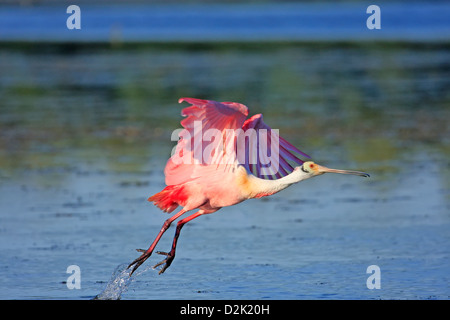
(262, 187)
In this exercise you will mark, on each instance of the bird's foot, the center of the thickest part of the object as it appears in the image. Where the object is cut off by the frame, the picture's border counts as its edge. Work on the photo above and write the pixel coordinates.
(137, 262)
(166, 262)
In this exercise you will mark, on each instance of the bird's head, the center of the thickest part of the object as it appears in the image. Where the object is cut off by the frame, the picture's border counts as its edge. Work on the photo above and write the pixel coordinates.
(313, 169)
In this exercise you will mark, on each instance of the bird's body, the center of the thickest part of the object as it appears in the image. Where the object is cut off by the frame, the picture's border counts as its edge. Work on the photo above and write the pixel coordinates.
(218, 192)
(221, 160)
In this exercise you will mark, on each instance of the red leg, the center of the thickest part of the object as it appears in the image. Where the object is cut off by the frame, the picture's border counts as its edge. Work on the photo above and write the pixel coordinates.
(146, 254)
(171, 254)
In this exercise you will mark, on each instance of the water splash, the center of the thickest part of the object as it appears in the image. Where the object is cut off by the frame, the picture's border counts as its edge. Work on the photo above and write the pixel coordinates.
(119, 282)
(117, 285)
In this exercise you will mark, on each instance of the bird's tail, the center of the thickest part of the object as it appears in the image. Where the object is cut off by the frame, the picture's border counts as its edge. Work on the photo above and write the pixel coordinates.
(169, 198)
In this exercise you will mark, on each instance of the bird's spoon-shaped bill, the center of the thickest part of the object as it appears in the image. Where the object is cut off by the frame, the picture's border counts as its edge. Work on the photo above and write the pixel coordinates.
(322, 169)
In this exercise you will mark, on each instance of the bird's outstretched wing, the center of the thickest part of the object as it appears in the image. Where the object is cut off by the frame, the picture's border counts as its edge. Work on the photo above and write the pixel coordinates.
(203, 141)
(267, 154)
(217, 134)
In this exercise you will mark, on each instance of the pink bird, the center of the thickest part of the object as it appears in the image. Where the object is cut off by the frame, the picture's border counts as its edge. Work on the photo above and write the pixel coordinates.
(222, 159)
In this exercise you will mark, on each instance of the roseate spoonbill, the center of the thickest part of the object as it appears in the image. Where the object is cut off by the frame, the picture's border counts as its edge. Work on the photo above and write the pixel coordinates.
(222, 177)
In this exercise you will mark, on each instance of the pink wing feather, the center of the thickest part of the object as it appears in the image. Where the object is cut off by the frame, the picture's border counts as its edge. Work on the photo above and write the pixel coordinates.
(212, 115)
